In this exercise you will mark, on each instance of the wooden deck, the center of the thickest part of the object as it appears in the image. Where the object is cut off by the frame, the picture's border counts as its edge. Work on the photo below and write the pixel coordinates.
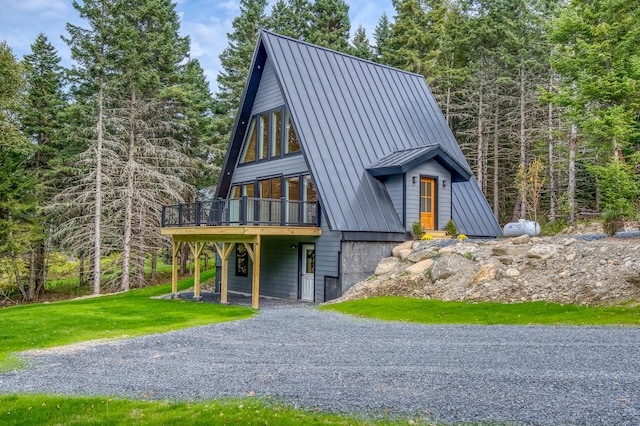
(225, 238)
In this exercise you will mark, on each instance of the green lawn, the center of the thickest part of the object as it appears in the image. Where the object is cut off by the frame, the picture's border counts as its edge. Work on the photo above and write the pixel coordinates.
(127, 314)
(534, 313)
(31, 410)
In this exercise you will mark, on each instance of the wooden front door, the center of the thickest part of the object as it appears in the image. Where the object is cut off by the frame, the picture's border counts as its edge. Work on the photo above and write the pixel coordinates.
(308, 272)
(427, 203)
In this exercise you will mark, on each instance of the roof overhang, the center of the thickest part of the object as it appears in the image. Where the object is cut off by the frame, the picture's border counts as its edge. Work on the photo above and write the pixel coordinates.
(399, 162)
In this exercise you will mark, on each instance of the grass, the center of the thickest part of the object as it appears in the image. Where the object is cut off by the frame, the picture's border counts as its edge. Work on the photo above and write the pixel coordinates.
(529, 313)
(121, 315)
(52, 409)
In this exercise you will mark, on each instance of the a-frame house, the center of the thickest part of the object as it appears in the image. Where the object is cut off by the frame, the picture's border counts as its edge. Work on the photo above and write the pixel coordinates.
(331, 160)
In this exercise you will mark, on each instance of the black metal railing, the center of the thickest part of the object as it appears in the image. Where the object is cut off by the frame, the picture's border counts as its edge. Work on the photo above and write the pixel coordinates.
(244, 211)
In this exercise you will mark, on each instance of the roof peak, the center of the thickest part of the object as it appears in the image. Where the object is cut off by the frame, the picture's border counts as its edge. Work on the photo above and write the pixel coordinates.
(306, 43)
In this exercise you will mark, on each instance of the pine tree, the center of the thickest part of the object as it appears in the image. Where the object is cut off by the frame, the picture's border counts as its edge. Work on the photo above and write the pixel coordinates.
(330, 25)
(17, 204)
(149, 52)
(360, 44)
(235, 61)
(381, 35)
(407, 46)
(42, 122)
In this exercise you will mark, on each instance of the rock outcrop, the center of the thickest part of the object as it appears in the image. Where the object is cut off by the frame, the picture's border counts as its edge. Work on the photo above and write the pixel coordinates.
(555, 269)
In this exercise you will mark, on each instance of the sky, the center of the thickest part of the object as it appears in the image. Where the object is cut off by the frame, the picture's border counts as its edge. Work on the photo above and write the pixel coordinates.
(206, 23)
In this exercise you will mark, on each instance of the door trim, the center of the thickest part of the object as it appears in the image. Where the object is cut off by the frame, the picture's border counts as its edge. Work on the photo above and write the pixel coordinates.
(302, 269)
(435, 181)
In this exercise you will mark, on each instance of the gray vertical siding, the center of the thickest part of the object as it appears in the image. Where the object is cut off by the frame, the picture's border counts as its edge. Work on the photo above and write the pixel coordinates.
(279, 275)
(443, 195)
(395, 189)
(327, 257)
(269, 95)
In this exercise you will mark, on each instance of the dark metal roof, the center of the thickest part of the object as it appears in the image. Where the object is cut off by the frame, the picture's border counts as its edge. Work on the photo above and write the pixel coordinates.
(350, 113)
(406, 159)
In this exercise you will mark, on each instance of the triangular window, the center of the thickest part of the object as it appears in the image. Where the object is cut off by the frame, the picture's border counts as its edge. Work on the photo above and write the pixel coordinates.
(249, 153)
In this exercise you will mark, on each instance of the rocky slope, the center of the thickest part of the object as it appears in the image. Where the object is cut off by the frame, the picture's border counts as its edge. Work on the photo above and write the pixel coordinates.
(562, 269)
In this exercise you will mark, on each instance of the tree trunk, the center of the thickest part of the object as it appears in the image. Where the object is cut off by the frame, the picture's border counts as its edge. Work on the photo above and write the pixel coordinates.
(97, 242)
(480, 174)
(523, 136)
(154, 266)
(141, 251)
(31, 295)
(552, 177)
(496, 163)
(128, 206)
(571, 189)
(81, 277)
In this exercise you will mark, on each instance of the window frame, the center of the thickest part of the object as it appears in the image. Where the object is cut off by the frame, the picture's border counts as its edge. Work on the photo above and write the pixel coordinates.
(254, 123)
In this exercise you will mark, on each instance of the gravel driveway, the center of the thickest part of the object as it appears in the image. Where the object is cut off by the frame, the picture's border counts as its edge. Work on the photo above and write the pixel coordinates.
(310, 358)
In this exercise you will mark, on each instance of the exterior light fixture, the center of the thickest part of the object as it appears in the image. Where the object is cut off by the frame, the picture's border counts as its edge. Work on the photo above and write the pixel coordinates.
(413, 178)
(444, 183)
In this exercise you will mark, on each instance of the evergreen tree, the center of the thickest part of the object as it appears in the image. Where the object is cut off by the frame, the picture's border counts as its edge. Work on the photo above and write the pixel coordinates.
(360, 44)
(408, 43)
(199, 133)
(596, 56)
(17, 204)
(235, 61)
(330, 24)
(42, 122)
(381, 35)
(290, 18)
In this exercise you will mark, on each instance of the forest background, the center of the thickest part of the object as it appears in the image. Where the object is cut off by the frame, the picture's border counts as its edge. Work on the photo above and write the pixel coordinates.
(542, 96)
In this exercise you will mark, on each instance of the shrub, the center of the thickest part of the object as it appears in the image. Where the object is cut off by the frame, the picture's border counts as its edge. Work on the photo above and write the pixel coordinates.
(416, 230)
(611, 222)
(451, 228)
(462, 237)
(426, 237)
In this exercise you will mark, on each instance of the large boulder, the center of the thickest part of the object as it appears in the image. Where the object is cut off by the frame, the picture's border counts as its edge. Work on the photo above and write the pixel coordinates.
(448, 265)
(407, 245)
(420, 267)
(386, 265)
(486, 272)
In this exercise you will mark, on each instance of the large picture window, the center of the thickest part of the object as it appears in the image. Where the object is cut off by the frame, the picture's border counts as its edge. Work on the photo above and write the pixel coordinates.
(270, 135)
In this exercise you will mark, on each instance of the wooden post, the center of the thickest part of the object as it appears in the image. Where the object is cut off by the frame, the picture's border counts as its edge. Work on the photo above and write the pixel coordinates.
(224, 250)
(196, 250)
(174, 266)
(254, 254)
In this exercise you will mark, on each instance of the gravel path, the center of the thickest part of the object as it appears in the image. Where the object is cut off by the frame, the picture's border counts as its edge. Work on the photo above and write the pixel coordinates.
(310, 358)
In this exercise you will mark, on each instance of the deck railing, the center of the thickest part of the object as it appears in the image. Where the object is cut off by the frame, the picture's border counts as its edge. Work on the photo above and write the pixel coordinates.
(244, 211)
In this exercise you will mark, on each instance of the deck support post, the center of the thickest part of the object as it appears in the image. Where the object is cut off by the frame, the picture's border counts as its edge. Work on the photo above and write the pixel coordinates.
(175, 249)
(196, 251)
(224, 250)
(255, 283)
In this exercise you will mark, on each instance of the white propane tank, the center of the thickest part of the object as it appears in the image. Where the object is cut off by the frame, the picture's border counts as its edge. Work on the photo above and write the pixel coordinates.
(521, 227)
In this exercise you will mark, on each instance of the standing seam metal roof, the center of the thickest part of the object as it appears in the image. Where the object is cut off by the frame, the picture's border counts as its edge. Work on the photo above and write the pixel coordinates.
(350, 113)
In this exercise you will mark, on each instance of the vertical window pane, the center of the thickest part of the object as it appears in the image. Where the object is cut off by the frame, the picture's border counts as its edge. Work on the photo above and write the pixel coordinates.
(276, 135)
(265, 189)
(309, 190)
(235, 191)
(263, 137)
(249, 190)
(293, 189)
(292, 144)
(249, 153)
(275, 188)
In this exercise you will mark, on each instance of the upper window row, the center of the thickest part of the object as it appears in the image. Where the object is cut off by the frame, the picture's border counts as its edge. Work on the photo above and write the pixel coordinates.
(270, 135)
